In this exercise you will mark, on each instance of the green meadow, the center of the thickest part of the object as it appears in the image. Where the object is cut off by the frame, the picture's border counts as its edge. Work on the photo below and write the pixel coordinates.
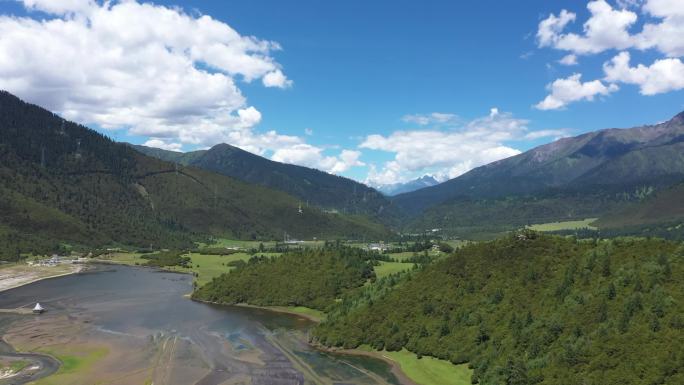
(387, 268)
(567, 225)
(401, 257)
(427, 370)
(430, 370)
(204, 267)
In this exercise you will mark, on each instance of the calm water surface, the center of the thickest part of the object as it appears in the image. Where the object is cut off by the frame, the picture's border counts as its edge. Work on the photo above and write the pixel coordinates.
(138, 301)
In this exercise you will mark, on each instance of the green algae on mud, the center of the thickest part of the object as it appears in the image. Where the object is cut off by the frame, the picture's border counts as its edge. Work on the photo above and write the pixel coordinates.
(74, 362)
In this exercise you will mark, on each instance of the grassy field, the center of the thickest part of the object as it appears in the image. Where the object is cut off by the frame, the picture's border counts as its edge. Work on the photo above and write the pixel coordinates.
(75, 363)
(456, 243)
(222, 242)
(567, 225)
(312, 313)
(123, 258)
(427, 370)
(247, 245)
(205, 267)
(401, 257)
(430, 370)
(387, 268)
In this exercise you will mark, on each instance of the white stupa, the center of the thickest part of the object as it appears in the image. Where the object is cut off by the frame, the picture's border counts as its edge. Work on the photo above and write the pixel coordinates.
(38, 309)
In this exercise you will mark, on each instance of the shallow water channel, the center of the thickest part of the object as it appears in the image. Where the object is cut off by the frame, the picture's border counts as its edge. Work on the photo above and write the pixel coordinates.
(146, 330)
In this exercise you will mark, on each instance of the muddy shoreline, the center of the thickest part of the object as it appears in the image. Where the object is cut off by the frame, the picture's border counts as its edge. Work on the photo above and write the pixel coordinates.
(41, 365)
(396, 368)
(267, 308)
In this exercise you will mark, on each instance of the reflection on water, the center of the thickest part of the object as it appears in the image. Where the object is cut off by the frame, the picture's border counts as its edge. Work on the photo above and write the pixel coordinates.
(265, 347)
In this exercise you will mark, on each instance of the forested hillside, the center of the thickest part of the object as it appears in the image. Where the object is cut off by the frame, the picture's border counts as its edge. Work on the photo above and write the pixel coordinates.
(311, 186)
(662, 207)
(64, 183)
(311, 278)
(532, 308)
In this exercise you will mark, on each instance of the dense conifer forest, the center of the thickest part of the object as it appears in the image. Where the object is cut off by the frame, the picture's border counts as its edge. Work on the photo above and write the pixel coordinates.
(532, 308)
(310, 277)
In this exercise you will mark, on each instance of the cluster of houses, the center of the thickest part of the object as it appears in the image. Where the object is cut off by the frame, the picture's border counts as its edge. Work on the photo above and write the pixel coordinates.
(55, 260)
(381, 247)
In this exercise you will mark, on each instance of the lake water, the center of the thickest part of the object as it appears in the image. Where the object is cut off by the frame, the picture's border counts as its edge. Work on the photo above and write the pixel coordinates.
(232, 344)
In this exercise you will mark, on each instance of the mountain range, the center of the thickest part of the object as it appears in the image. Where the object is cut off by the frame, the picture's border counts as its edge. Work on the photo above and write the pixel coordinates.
(64, 184)
(309, 185)
(603, 174)
(405, 187)
(590, 175)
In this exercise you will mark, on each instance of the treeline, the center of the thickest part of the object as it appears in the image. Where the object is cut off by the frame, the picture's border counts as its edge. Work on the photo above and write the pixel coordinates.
(533, 308)
(309, 277)
(167, 258)
(15, 246)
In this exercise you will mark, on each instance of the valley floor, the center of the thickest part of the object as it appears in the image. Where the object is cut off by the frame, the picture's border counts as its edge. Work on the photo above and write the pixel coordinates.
(405, 365)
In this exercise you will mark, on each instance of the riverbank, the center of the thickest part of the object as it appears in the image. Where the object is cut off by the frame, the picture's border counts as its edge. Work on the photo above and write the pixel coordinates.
(405, 365)
(312, 315)
(23, 368)
(396, 368)
(20, 274)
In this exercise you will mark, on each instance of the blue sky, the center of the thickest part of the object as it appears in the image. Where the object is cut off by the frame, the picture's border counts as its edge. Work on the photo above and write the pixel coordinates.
(356, 71)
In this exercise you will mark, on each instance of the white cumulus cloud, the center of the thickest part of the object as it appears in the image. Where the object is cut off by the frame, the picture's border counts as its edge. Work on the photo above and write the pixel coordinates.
(60, 6)
(665, 35)
(276, 79)
(446, 153)
(617, 28)
(608, 28)
(572, 89)
(158, 143)
(155, 71)
(311, 156)
(550, 28)
(663, 75)
(568, 60)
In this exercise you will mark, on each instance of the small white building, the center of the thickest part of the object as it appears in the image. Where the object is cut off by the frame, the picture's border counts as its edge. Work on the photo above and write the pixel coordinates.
(38, 309)
(377, 247)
